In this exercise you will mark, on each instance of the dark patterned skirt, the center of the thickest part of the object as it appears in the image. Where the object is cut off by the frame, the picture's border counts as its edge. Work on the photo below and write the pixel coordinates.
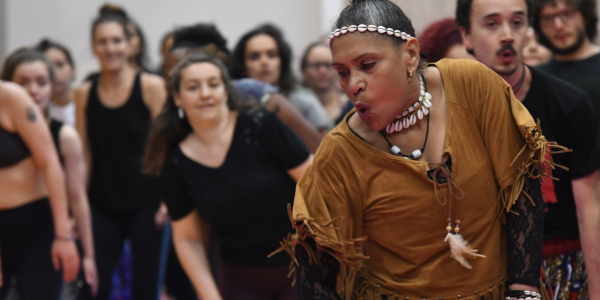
(565, 276)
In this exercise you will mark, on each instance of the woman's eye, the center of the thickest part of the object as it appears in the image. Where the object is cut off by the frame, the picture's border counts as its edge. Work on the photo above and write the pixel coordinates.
(342, 74)
(368, 66)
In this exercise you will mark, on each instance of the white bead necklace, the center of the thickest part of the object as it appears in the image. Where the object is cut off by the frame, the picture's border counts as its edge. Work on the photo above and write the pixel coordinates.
(414, 113)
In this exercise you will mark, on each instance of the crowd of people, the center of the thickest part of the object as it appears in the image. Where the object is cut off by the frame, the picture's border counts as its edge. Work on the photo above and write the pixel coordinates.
(460, 163)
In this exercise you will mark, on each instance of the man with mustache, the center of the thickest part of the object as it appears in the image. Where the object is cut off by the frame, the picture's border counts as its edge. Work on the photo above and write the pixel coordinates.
(567, 28)
(494, 31)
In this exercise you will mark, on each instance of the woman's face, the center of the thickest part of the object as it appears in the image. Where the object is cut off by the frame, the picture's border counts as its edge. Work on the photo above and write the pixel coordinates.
(111, 46)
(202, 93)
(373, 72)
(318, 73)
(63, 71)
(34, 76)
(262, 60)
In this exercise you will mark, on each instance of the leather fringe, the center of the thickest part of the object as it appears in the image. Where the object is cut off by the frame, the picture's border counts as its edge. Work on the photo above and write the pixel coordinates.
(534, 164)
(367, 291)
(346, 252)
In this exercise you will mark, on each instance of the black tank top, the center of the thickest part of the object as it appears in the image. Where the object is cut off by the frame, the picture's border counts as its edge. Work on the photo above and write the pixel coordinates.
(117, 138)
(12, 148)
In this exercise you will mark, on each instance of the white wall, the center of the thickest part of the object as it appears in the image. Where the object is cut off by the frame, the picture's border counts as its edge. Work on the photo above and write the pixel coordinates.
(24, 22)
(69, 21)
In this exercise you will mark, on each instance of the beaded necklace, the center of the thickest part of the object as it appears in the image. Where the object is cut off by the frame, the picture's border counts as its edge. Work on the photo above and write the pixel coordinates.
(415, 112)
(409, 118)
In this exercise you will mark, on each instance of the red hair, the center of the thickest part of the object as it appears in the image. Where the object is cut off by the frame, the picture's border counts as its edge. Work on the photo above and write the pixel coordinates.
(438, 37)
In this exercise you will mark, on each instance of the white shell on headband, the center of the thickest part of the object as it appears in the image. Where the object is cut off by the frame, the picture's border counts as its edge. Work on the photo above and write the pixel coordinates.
(370, 28)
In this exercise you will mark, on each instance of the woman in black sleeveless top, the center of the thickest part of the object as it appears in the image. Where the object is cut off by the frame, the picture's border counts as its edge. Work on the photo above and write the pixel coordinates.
(114, 112)
(35, 238)
(32, 70)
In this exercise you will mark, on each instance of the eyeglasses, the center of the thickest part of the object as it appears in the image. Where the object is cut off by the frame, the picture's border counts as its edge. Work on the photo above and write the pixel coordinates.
(564, 16)
(318, 65)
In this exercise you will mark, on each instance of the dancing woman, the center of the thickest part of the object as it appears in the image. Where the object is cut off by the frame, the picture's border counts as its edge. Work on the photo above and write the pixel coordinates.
(409, 196)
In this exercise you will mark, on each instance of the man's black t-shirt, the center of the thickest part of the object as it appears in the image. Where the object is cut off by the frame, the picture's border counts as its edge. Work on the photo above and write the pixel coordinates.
(568, 118)
(245, 199)
(584, 74)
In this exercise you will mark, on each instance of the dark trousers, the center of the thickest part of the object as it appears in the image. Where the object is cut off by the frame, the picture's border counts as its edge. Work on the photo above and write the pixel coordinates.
(26, 236)
(110, 231)
(248, 283)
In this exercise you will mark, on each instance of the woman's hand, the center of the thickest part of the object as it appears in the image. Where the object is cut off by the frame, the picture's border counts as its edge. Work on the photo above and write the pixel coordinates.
(91, 274)
(65, 256)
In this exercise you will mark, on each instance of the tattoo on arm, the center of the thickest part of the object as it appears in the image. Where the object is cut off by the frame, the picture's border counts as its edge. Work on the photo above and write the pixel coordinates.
(31, 115)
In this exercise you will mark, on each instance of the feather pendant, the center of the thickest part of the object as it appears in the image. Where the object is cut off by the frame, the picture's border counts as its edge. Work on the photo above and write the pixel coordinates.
(460, 249)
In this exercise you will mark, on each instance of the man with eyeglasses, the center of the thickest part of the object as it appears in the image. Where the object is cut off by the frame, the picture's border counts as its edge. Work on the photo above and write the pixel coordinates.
(495, 32)
(568, 28)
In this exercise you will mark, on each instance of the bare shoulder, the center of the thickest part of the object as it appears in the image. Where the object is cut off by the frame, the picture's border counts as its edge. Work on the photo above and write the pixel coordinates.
(13, 98)
(154, 92)
(433, 78)
(68, 134)
(81, 93)
(69, 139)
(152, 82)
(12, 94)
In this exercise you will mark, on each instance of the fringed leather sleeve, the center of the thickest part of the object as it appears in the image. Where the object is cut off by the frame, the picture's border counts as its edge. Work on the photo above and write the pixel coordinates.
(316, 246)
(523, 203)
(531, 162)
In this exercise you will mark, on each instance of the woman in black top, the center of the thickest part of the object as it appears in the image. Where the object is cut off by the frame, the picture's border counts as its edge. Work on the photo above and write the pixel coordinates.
(114, 112)
(35, 237)
(32, 70)
(226, 170)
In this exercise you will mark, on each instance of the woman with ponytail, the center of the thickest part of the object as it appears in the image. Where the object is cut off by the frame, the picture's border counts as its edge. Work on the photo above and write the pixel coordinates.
(114, 112)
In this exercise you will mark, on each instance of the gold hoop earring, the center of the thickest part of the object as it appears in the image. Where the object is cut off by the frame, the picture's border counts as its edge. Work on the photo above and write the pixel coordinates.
(409, 76)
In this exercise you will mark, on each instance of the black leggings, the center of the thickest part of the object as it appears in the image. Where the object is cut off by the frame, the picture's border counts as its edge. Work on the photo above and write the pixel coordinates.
(110, 232)
(26, 236)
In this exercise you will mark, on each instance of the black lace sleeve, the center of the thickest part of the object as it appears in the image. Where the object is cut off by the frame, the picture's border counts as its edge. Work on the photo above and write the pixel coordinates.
(316, 281)
(525, 236)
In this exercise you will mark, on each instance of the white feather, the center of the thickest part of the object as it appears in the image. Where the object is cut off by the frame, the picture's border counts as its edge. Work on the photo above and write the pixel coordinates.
(460, 249)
